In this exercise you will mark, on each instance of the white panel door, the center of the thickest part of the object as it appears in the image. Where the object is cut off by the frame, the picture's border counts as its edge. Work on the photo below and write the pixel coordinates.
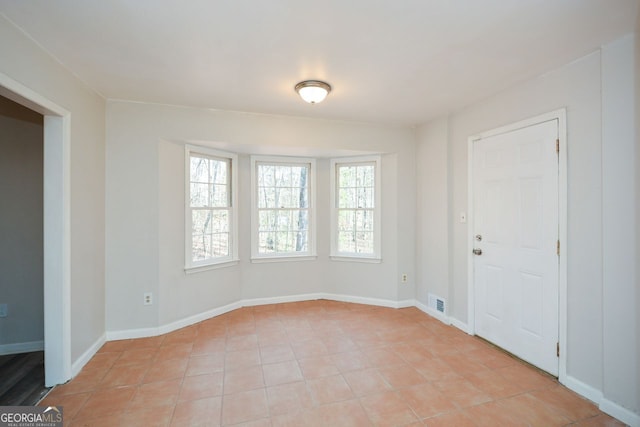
(515, 182)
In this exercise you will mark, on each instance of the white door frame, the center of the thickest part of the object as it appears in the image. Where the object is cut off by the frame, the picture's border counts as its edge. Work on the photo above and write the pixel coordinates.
(57, 237)
(560, 116)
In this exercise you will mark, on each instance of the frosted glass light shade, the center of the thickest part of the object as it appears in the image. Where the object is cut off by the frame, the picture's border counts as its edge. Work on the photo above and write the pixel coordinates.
(313, 91)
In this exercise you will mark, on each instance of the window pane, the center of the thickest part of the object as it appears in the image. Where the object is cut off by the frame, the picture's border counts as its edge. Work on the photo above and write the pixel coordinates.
(220, 244)
(284, 242)
(284, 220)
(218, 171)
(364, 197)
(299, 198)
(346, 242)
(266, 242)
(365, 176)
(292, 198)
(301, 241)
(283, 176)
(266, 220)
(301, 220)
(364, 220)
(364, 242)
(346, 176)
(219, 196)
(302, 198)
(266, 175)
(346, 220)
(201, 247)
(284, 198)
(298, 176)
(266, 197)
(220, 221)
(347, 198)
(199, 195)
(201, 221)
(199, 169)
(210, 224)
(283, 231)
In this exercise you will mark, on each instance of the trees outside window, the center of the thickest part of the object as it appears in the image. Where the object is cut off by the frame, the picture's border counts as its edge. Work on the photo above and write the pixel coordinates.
(282, 211)
(356, 208)
(210, 216)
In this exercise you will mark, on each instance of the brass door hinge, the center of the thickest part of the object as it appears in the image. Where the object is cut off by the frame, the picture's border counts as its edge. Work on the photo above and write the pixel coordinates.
(557, 146)
(558, 248)
(557, 349)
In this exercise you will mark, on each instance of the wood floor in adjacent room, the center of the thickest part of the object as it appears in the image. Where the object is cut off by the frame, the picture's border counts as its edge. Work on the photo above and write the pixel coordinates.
(316, 363)
(22, 379)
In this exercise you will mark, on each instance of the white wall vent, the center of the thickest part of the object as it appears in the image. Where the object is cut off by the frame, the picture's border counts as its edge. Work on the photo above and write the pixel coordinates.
(436, 303)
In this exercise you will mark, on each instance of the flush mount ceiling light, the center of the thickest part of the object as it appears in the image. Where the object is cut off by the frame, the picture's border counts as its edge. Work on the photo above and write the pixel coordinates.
(313, 91)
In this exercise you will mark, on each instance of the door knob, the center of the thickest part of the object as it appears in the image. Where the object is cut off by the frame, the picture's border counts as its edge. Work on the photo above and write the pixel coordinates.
(477, 251)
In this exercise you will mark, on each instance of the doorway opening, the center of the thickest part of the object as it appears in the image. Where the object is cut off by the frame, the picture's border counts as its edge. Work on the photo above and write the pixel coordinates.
(21, 255)
(56, 227)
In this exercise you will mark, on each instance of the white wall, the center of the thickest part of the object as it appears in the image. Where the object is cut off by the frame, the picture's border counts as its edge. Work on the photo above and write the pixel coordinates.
(432, 232)
(619, 227)
(595, 119)
(24, 62)
(145, 217)
(21, 245)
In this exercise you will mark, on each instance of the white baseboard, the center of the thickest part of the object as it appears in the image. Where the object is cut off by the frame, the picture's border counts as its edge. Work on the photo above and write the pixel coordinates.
(622, 414)
(77, 366)
(191, 320)
(582, 389)
(605, 405)
(21, 347)
(188, 321)
(173, 326)
(127, 334)
(280, 300)
(406, 303)
(461, 325)
(447, 320)
(433, 313)
(367, 301)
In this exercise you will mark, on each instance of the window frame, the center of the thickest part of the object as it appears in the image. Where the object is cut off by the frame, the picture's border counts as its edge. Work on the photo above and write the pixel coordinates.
(310, 254)
(189, 265)
(335, 254)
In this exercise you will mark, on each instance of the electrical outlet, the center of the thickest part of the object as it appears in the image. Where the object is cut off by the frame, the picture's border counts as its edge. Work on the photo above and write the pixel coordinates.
(148, 298)
(4, 310)
(404, 278)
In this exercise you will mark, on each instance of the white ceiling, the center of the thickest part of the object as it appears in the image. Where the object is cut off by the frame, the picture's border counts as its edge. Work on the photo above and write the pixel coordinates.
(399, 62)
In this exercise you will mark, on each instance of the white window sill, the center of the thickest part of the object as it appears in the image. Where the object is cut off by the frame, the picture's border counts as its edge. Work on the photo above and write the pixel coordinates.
(200, 268)
(347, 258)
(283, 258)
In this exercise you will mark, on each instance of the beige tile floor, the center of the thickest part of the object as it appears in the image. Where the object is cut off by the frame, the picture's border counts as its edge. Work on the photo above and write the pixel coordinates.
(316, 363)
